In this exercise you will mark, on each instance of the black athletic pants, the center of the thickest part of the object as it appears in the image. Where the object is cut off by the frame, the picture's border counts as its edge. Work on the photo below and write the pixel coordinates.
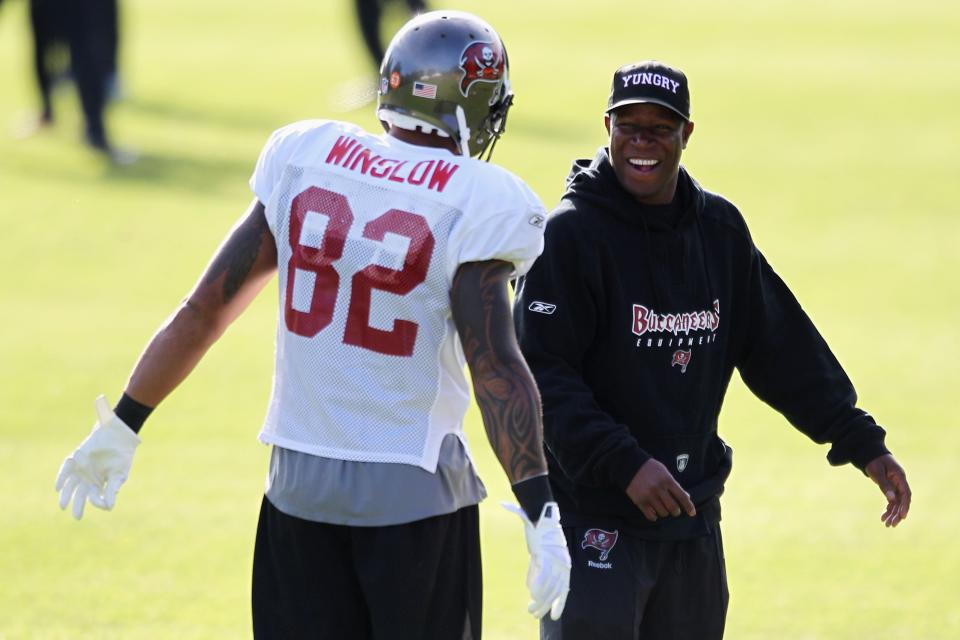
(48, 24)
(626, 588)
(418, 580)
(92, 32)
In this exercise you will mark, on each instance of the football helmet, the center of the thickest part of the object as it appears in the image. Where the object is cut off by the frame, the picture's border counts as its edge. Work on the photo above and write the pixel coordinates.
(446, 72)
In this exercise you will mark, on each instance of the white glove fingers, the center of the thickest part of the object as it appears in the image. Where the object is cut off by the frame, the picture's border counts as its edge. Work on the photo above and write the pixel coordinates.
(66, 469)
(110, 493)
(80, 500)
(68, 489)
(550, 586)
(557, 609)
(97, 500)
(104, 413)
(538, 608)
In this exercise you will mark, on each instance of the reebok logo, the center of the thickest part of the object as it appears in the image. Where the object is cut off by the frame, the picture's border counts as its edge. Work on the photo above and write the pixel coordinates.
(542, 307)
(599, 565)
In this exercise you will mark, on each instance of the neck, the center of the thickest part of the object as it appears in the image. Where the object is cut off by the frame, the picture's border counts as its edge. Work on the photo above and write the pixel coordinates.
(422, 139)
(665, 197)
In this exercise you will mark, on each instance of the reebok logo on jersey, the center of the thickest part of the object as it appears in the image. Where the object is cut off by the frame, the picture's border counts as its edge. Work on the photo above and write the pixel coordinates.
(601, 540)
(542, 307)
(537, 221)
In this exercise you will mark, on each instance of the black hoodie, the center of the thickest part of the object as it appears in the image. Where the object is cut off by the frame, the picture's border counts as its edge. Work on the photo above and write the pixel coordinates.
(632, 322)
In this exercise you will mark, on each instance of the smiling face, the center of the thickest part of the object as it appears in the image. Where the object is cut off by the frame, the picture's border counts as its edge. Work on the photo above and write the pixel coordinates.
(646, 141)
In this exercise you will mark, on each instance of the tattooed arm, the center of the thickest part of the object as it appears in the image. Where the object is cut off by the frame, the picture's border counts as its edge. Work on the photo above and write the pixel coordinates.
(502, 384)
(241, 267)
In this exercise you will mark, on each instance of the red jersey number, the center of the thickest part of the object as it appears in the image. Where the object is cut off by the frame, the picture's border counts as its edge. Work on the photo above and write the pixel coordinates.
(400, 340)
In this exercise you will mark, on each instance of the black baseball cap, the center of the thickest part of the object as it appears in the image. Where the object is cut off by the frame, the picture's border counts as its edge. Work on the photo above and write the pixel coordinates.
(650, 81)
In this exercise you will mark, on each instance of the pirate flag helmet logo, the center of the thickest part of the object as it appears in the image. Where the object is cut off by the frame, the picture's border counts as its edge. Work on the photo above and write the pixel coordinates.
(481, 62)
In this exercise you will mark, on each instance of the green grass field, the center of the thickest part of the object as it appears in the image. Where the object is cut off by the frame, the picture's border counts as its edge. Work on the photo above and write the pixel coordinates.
(833, 125)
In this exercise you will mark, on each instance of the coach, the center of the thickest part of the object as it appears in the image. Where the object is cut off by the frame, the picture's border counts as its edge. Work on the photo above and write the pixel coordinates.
(649, 293)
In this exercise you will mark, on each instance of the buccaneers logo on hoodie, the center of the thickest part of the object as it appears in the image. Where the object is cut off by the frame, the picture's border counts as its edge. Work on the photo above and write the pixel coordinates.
(647, 320)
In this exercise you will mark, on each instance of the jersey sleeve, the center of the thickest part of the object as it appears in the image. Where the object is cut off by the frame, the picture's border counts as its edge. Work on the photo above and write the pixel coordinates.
(274, 156)
(266, 173)
(505, 222)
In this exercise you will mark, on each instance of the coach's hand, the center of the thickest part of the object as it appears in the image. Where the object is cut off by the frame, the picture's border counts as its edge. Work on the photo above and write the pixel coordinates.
(892, 480)
(657, 494)
(548, 577)
(100, 464)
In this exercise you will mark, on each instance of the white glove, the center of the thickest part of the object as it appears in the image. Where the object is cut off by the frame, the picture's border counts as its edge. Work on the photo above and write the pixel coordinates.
(100, 464)
(548, 577)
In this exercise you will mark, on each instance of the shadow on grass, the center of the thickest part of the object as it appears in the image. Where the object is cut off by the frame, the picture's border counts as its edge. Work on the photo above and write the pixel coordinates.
(210, 115)
(198, 174)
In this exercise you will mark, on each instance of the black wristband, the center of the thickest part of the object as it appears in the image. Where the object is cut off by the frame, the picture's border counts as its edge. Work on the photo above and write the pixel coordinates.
(532, 494)
(132, 412)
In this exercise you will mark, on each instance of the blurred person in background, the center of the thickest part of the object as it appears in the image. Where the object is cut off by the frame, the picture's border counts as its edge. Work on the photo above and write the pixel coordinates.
(359, 92)
(393, 253)
(649, 293)
(78, 40)
(93, 36)
(50, 58)
(370, 18)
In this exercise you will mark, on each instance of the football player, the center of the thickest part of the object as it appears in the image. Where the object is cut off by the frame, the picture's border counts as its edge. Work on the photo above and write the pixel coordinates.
(393, 253)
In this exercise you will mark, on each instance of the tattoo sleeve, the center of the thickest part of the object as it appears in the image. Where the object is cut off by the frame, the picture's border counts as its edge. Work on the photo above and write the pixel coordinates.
(238, 255)
(504, 388)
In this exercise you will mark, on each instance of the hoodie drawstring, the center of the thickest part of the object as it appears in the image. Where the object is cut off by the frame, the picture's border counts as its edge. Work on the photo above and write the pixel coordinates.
(649, 256)
(703, 255)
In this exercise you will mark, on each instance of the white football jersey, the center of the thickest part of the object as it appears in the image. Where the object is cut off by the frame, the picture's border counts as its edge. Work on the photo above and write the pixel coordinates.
(370, 232)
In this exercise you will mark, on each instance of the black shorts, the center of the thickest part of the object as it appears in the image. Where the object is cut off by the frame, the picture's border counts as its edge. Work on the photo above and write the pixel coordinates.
(627, 588)
(417, 580)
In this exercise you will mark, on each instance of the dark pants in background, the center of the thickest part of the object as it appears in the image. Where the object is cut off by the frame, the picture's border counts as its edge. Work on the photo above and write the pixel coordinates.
(48, 26)
(93, 37)
(639, 589)
(89, 30)
(369, 14)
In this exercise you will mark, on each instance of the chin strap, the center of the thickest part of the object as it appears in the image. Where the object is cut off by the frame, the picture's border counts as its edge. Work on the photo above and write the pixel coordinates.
(464, 132)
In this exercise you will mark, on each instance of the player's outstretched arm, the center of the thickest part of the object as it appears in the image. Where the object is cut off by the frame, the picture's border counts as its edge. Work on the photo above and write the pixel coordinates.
(240, 268)
(892, 480)
(510, 405)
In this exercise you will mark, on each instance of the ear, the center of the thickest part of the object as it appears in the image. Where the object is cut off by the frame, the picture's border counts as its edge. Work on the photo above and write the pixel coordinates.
(606, 122)
(687, 132)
